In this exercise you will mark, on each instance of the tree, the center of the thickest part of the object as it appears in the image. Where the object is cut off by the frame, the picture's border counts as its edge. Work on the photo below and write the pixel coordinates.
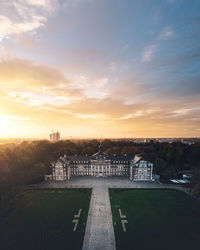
(196, 190)
(159, 166)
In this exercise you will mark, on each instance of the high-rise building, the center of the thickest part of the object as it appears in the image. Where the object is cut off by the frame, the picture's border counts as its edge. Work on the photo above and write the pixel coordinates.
(54, 136)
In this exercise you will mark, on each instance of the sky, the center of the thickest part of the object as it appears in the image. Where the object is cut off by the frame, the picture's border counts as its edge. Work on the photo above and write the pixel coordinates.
(100, 68)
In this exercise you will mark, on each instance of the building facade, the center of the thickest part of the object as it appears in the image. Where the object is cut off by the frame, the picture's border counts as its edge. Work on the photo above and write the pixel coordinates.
(101, 165)
(141, 170)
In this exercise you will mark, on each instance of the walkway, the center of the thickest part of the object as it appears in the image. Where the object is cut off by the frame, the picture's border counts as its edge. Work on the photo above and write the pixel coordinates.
(110, 182)
(99, 232)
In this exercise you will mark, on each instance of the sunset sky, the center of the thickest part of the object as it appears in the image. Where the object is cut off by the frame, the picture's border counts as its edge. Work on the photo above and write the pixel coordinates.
(100, 68)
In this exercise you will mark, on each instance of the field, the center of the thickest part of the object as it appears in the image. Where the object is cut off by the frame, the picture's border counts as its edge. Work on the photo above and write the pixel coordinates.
(42, 220)
(155, 219)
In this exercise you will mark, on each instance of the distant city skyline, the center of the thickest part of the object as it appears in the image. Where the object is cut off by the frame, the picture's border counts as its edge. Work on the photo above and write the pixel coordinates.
(99, 68)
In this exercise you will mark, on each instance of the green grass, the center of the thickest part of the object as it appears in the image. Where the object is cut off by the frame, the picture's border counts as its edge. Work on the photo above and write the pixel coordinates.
(157, 219)
(42, 220)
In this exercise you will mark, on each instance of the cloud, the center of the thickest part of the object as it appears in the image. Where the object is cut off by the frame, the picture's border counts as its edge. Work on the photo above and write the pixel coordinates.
(46, 90)
(6, 54)
(92, 87)
(128, 116)
(17, 118)
(154, 115)
(149, 52)
(91, 116)
(19, 72)
(101, 82)
(37, 99)
(36, 84)
(129, 90)
(166, 33)
(20, 16)
(187, 112)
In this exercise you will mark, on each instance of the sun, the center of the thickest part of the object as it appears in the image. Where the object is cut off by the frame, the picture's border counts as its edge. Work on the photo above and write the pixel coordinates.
(4, 126)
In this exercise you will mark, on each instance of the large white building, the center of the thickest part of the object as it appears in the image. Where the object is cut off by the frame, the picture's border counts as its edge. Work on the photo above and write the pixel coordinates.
(101, 165)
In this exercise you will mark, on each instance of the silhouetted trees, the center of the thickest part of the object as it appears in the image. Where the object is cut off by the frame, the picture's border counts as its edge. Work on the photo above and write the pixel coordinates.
(28, 162)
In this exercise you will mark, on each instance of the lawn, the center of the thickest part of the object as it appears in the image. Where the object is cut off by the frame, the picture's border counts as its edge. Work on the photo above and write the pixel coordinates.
(157, 219)
(42, 220)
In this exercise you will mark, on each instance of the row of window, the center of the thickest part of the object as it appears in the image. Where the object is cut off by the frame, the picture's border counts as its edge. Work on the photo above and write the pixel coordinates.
(88, 162)
(89, 166)
(112, 171)
(97, 173)
(142, 174)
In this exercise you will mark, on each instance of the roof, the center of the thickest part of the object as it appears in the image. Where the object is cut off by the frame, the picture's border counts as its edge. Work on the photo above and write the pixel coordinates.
(99, 155)
(79, 158)
(137, 158)
(122, 158)
(96, 156)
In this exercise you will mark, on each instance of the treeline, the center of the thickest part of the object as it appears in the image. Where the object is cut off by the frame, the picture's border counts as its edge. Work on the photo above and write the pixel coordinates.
(28, 162)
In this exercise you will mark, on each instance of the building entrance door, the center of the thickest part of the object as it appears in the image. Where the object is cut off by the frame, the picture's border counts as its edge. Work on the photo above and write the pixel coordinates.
(100, 171)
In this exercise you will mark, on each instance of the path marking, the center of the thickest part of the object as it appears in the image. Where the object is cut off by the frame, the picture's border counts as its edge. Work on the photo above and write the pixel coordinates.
(123, 224)
(79, 213)
(75, 221)
(120, 214)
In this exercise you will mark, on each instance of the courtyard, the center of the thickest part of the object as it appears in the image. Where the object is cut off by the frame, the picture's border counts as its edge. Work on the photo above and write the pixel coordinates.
(91, 213)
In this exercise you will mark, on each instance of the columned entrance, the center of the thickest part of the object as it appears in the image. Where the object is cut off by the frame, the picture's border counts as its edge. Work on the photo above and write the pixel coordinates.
(100, 163)
(100, 171)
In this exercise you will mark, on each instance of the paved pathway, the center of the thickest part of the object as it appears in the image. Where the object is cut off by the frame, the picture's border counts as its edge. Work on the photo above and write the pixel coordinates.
(99, 234)
(111, 182)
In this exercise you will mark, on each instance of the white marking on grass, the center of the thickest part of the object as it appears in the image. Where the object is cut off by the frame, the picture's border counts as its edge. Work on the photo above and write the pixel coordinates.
(121, 215)
(75, 224)
(79, 213)
(123, 224)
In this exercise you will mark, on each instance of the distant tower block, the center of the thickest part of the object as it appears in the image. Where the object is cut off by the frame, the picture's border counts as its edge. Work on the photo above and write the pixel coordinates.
(54, 136)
